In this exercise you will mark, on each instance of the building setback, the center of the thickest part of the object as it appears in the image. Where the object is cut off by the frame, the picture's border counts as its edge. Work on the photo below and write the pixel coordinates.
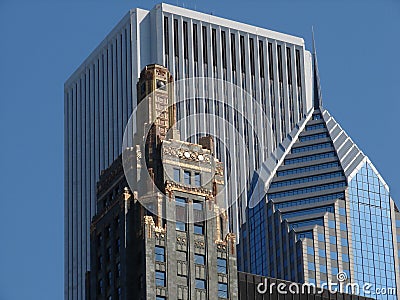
(273, 68)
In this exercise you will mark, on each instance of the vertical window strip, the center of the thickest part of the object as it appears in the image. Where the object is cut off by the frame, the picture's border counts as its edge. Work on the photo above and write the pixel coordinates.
(176, 42)
(214, 46)
(261, 58)
(252, 63)
(242, 55)
(205, 56)
(166, 37)
(185, 40)
(223, 45)
(195, 44)
(233, 52)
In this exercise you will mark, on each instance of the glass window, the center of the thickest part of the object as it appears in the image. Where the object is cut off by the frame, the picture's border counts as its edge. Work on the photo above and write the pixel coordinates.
(331, 224)
(342, 211)
(332, 239)
(160, 253)
(335, 271)
(160, 278)
(310, 250)
(343, 226)
(323, 269)
(199, 259)
(321, 253)
(197, 179)
(398, 223)
(199, 229)
(200, 284)
(345, 242)
(197, 205)
(180, 201)
(221, 265)
(311, 266)
(160, 298)
(181, 226)
(222, 290)
(334, 255)
(118, 270)
(186, 177)
(321, 237)
(345, 257)
(177, 175)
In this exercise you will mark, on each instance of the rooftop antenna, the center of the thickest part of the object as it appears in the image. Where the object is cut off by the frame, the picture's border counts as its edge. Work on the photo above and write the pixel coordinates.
(317, 84)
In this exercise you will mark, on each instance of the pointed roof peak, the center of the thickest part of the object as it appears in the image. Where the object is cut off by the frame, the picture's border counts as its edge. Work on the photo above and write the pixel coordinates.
(316, 83)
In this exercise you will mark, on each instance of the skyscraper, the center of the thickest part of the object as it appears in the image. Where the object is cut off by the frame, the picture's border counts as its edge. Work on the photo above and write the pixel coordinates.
(322, 212)
(271, 67)
(185, 250)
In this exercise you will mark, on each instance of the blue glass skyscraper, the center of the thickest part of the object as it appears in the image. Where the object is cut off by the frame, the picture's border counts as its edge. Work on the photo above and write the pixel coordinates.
(321, 213)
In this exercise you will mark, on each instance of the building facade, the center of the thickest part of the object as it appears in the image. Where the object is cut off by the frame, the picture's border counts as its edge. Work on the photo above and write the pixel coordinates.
(272, 68)
(181, 248)
(325, 213)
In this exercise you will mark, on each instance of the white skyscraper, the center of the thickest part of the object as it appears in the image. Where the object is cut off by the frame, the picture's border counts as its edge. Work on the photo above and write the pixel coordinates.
(274, 68)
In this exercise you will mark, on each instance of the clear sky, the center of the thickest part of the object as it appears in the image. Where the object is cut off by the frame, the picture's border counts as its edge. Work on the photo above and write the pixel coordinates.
(42, 42)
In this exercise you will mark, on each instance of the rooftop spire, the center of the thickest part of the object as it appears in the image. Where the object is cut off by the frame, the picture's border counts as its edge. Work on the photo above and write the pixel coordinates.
(317, 85)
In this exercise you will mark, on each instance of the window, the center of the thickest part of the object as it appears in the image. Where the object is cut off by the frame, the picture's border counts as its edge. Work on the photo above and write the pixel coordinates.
(306, 179)
(307, 190)
(180, 201)
(335, 271)
(310, 250)
(313, 137)
(197, 205)
(200, 284)
(197, 179)
(109, 253)
(323, 269)
(332, 239)
(186, 177)
(109, 278)
(199, 229)
(177, 175)
(100, 286)
(99, 239)
(345, 242)
(108, 231)
(311, 266)
(345, 257)
(334, 255)
(117, 245)
(180, 226)
(321, 253)
(118, 270)
(160, 278)
(308, 169)
(309, 158)
(342, 211)
(311, 147)
(160, 298)
(331, 224)
(221, 265)
(316, 117)
(160, 253)
(199, 259)
(315, 127)
(343, 226)
(195, 44)
(204, 36)
(100, 262)
(222, 290)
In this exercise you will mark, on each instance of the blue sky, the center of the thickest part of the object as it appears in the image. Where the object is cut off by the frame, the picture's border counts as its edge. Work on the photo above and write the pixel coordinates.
(42, 42)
